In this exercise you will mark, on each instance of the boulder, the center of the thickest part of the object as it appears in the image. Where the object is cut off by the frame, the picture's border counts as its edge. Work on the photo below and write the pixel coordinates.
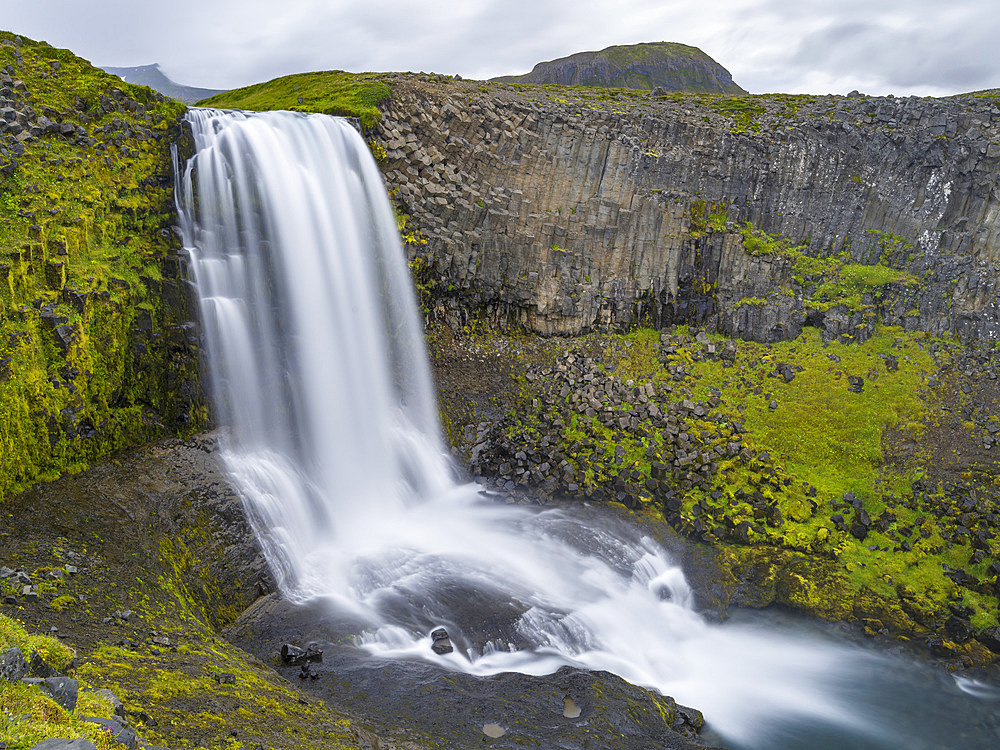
(38, 668)
(441, 643)
(63, 690)
(120, 733)
(13, 665)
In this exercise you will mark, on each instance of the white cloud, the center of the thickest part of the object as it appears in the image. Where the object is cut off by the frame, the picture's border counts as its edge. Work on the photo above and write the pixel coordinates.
(912, 46)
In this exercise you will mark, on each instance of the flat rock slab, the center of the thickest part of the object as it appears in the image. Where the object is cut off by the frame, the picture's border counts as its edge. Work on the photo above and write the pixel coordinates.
(507, 710)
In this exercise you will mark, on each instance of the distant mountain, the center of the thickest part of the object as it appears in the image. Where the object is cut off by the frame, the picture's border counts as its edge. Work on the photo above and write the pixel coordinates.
(672, 66)
(152, 76)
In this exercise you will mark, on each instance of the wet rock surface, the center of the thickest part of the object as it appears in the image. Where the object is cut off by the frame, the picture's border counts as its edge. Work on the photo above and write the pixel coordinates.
(507, 710)
(115, 523)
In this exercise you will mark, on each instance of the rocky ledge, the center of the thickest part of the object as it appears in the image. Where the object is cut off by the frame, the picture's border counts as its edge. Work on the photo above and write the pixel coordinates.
(147, 567)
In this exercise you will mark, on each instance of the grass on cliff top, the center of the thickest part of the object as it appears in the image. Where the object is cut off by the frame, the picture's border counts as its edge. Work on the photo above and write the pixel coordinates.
(27, 716)
(332, 92)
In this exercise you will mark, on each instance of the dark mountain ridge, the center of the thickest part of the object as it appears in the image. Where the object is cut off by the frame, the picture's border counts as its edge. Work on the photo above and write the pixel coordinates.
(156, 79)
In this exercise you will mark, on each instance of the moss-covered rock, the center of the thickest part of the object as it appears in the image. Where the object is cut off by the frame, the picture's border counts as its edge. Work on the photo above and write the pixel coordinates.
(875, 505)
(140, 562)
(96, 348)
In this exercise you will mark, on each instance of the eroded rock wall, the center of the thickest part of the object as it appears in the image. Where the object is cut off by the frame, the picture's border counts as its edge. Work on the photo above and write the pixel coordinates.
(561, 210)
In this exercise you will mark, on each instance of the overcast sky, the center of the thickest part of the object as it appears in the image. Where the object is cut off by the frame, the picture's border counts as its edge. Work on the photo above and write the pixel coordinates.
(923, 47)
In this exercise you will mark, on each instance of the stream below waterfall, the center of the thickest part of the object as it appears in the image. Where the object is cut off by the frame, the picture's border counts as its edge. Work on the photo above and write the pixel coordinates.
(317, 368)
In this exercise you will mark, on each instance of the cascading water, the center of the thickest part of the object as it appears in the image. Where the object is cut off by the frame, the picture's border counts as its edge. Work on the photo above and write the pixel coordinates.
(318, 371)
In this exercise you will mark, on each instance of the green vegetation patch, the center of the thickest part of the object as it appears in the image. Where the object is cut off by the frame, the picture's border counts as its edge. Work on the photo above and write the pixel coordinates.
(744, 111)
(204, 692)
(332, 92)
(91, 359)
(777, 453)
(27, 716)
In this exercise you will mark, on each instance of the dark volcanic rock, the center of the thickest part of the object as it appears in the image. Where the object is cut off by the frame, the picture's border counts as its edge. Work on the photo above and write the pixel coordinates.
(62, 744)
(38, 668)
(120, 733)
(560, 215)
(441, 643)
(13, 665)
(514, 709)
(63, 690)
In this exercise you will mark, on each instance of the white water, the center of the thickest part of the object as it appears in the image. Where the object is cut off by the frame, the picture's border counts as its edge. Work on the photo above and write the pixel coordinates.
(318, 370)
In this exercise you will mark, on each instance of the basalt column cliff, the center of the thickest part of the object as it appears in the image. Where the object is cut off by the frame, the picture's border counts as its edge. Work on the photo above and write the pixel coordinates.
(565, 209)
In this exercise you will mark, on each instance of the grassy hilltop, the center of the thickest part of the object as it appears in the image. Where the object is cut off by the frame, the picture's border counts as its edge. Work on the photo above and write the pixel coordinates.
(667, 65)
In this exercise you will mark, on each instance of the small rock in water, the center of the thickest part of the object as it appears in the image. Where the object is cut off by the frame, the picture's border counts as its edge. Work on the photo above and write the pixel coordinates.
(570, 709)
(441, 643)
(494, 730)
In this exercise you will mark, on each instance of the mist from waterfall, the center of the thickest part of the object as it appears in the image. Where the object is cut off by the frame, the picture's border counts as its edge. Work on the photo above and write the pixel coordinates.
(321, 382)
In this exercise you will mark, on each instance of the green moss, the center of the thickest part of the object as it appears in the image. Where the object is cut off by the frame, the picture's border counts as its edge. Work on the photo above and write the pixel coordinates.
(744, 111)
(332, 92)
(27, 716)
(55, 653)
(85, 349)
(192, 708)
(802, 446)
(756, 242)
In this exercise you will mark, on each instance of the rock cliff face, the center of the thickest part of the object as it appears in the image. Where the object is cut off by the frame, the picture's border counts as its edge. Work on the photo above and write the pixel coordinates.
(98, 350)
(562, 211)
(672, 66)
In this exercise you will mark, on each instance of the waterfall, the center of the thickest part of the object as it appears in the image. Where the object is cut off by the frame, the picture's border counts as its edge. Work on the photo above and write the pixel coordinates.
(319, 377)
